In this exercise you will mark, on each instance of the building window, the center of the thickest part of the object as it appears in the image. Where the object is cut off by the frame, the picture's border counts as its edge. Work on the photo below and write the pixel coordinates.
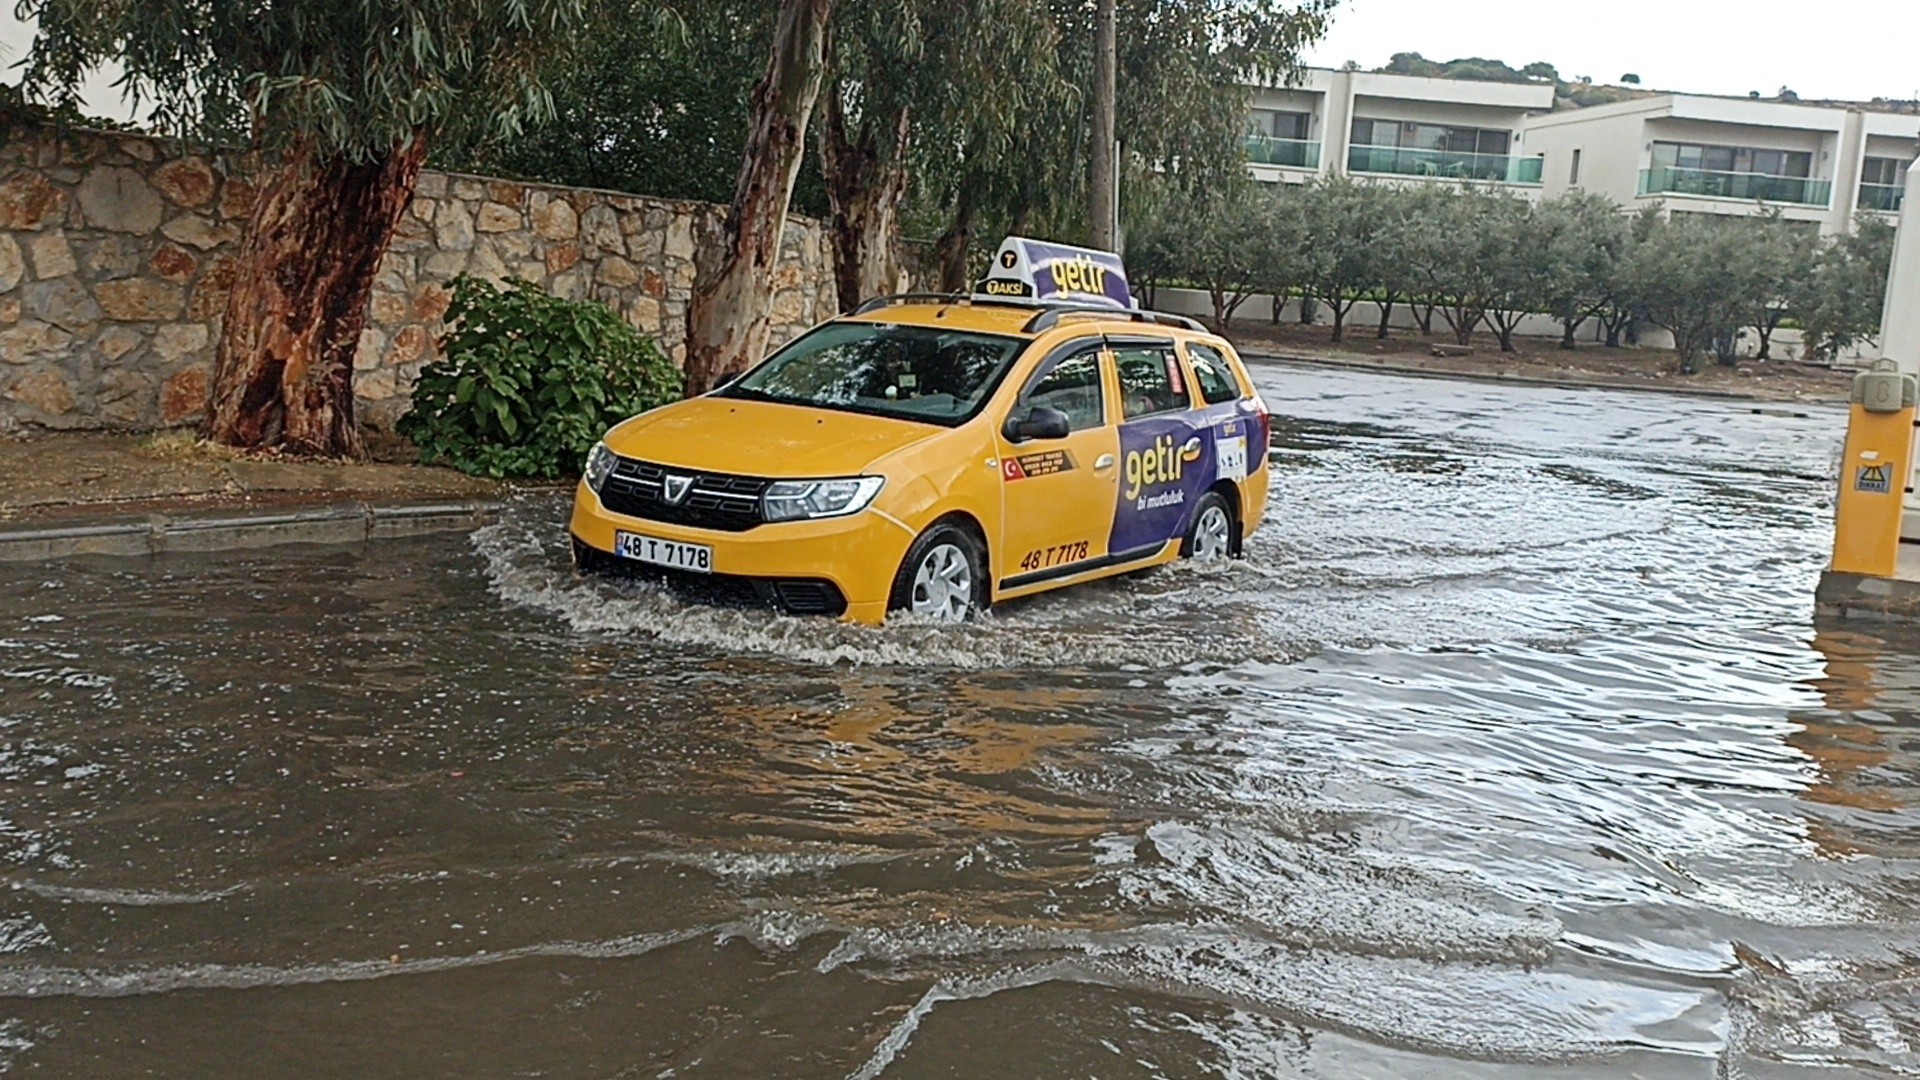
(1797, 164)
(1282, 123)
(1408, 135)
(1885, 171)
(1573, 171)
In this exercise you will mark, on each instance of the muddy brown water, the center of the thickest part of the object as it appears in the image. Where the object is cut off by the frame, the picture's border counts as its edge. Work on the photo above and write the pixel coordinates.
(1513, 750)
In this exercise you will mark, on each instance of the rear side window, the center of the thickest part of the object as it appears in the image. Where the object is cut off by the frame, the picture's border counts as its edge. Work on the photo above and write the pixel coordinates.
(1073, 387)
(1215, 376)
(1150, 381)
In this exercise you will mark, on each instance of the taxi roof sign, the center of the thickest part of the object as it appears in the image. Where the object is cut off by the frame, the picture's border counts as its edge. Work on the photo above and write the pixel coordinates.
(1035, 270)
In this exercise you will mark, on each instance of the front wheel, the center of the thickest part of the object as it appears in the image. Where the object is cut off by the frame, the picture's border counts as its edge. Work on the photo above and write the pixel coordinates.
(942, 577)
(1210, 536)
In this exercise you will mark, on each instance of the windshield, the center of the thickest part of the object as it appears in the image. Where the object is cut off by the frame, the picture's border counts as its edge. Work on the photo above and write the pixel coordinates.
(909, 372)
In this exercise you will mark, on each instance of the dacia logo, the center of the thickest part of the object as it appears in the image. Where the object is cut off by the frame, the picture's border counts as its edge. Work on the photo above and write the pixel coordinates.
(674, 489)
(1159, 464)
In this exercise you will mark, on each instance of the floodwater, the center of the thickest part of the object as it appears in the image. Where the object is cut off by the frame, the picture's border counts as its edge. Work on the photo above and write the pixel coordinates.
(1513, 750)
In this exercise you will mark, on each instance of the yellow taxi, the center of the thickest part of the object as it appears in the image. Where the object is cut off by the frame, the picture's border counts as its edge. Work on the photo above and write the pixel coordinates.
(940, 453)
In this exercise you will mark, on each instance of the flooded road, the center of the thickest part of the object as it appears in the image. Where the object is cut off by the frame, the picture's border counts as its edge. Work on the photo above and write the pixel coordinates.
(1513, 750)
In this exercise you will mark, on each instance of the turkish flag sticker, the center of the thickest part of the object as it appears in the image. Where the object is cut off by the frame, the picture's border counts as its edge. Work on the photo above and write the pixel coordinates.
(1010, 469)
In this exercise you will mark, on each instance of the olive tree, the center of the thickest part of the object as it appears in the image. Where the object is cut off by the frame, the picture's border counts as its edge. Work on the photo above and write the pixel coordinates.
(1338, 258)
(343, 100)
(1840, 302)
(1584, 240)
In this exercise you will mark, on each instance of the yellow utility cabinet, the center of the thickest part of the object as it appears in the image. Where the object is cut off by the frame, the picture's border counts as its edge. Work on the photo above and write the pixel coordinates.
(1874, 472)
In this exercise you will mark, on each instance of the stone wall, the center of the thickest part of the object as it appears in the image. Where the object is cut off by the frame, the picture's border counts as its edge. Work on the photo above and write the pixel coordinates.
(116, 257)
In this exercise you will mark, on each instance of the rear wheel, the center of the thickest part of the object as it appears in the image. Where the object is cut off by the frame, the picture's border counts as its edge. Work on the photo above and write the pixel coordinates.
(1210, 536)
(943, 576)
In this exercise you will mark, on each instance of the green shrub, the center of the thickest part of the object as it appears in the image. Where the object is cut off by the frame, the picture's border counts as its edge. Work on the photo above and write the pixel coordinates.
(527, 382)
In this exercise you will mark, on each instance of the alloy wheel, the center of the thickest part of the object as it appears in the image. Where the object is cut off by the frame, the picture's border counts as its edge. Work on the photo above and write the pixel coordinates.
(943, 584)
(1212, 534)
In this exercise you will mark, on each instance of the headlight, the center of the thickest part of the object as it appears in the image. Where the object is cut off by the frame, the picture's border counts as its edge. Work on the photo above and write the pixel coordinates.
(792, 500)
(599, 463)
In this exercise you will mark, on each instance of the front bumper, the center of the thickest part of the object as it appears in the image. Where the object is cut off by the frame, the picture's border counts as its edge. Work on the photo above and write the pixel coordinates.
(776, 564)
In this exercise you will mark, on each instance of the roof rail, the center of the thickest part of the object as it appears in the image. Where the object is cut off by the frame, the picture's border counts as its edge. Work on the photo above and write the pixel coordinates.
(879, 302)
(1050, 317)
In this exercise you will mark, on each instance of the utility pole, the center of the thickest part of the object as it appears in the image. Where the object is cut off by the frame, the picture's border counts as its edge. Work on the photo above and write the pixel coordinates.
(1103, 203)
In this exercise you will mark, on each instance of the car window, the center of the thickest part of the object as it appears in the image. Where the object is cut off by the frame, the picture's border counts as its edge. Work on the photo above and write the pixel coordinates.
(910, 372)
(1072, 386)
(1211, 372)
(1150, 380)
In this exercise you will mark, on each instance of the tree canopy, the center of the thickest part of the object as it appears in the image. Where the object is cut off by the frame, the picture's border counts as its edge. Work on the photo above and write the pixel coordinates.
(352, 80)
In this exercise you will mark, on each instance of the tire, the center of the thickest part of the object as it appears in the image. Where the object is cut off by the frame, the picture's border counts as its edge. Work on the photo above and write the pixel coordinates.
(1211, 535)
(943, 576)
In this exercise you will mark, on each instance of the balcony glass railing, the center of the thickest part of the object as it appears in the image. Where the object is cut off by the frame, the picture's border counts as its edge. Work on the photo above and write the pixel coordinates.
(1670, 180)
(1403, 161)
(1881, 197)
(1296, 153)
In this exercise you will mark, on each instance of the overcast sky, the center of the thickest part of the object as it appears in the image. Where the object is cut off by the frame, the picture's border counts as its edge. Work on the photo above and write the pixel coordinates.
(1854, 49)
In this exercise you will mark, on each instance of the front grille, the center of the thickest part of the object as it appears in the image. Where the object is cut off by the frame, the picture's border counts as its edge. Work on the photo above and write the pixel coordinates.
(637, 489)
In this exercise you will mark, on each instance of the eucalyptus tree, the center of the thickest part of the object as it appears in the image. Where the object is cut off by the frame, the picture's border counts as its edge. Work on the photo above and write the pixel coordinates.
(653, 101)
(1182, 113)
(913, 86)
(343, 101)
(730, 314)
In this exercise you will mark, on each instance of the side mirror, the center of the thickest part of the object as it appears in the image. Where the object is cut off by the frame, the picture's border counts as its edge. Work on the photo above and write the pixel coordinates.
(1041, 422)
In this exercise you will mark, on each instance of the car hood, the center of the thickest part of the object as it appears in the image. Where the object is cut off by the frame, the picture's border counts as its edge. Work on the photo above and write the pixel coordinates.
(760, 438)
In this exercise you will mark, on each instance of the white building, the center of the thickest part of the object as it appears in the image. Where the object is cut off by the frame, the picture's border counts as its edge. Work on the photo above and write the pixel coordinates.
(1698, 154)
(1396, 128)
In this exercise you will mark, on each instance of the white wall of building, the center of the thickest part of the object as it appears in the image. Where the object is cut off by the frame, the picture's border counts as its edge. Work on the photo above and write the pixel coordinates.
(1336, 98)
(1900, 318)
(1616, 143)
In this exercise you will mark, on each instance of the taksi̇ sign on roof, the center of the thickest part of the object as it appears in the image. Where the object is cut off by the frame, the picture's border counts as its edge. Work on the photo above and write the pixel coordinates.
(1056, 273)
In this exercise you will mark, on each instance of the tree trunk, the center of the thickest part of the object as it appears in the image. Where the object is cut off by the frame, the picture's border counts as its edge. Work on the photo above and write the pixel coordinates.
(727, 322)
(1426, 320)
(1503, 329)
(866, 175)
(1386, 316)
(1101, 217)
(951, 250)
(1567, 329)
(1339, 321)
(283, 371)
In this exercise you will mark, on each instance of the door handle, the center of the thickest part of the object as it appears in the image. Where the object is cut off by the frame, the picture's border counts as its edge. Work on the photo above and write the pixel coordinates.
(1104, 463)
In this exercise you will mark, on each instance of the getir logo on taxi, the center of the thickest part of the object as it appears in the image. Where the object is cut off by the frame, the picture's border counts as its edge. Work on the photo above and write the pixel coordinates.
(1079, 274)
(1158, 464)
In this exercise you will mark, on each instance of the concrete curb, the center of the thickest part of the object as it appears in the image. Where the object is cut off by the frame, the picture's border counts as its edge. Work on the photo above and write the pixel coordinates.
(1525, 380)
(1865, 598)
(164, 534)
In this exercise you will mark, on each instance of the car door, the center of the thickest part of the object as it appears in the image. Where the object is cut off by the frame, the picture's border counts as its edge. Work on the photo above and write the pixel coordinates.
(1167, 456)
(1058, 495)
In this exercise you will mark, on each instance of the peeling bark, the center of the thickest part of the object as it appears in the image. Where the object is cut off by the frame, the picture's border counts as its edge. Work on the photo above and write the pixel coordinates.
(283, 372)
(950, 252)
(866, 175)
(727, 324)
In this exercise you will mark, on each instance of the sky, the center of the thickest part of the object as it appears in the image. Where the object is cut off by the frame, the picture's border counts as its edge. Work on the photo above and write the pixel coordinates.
(1846, 49)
